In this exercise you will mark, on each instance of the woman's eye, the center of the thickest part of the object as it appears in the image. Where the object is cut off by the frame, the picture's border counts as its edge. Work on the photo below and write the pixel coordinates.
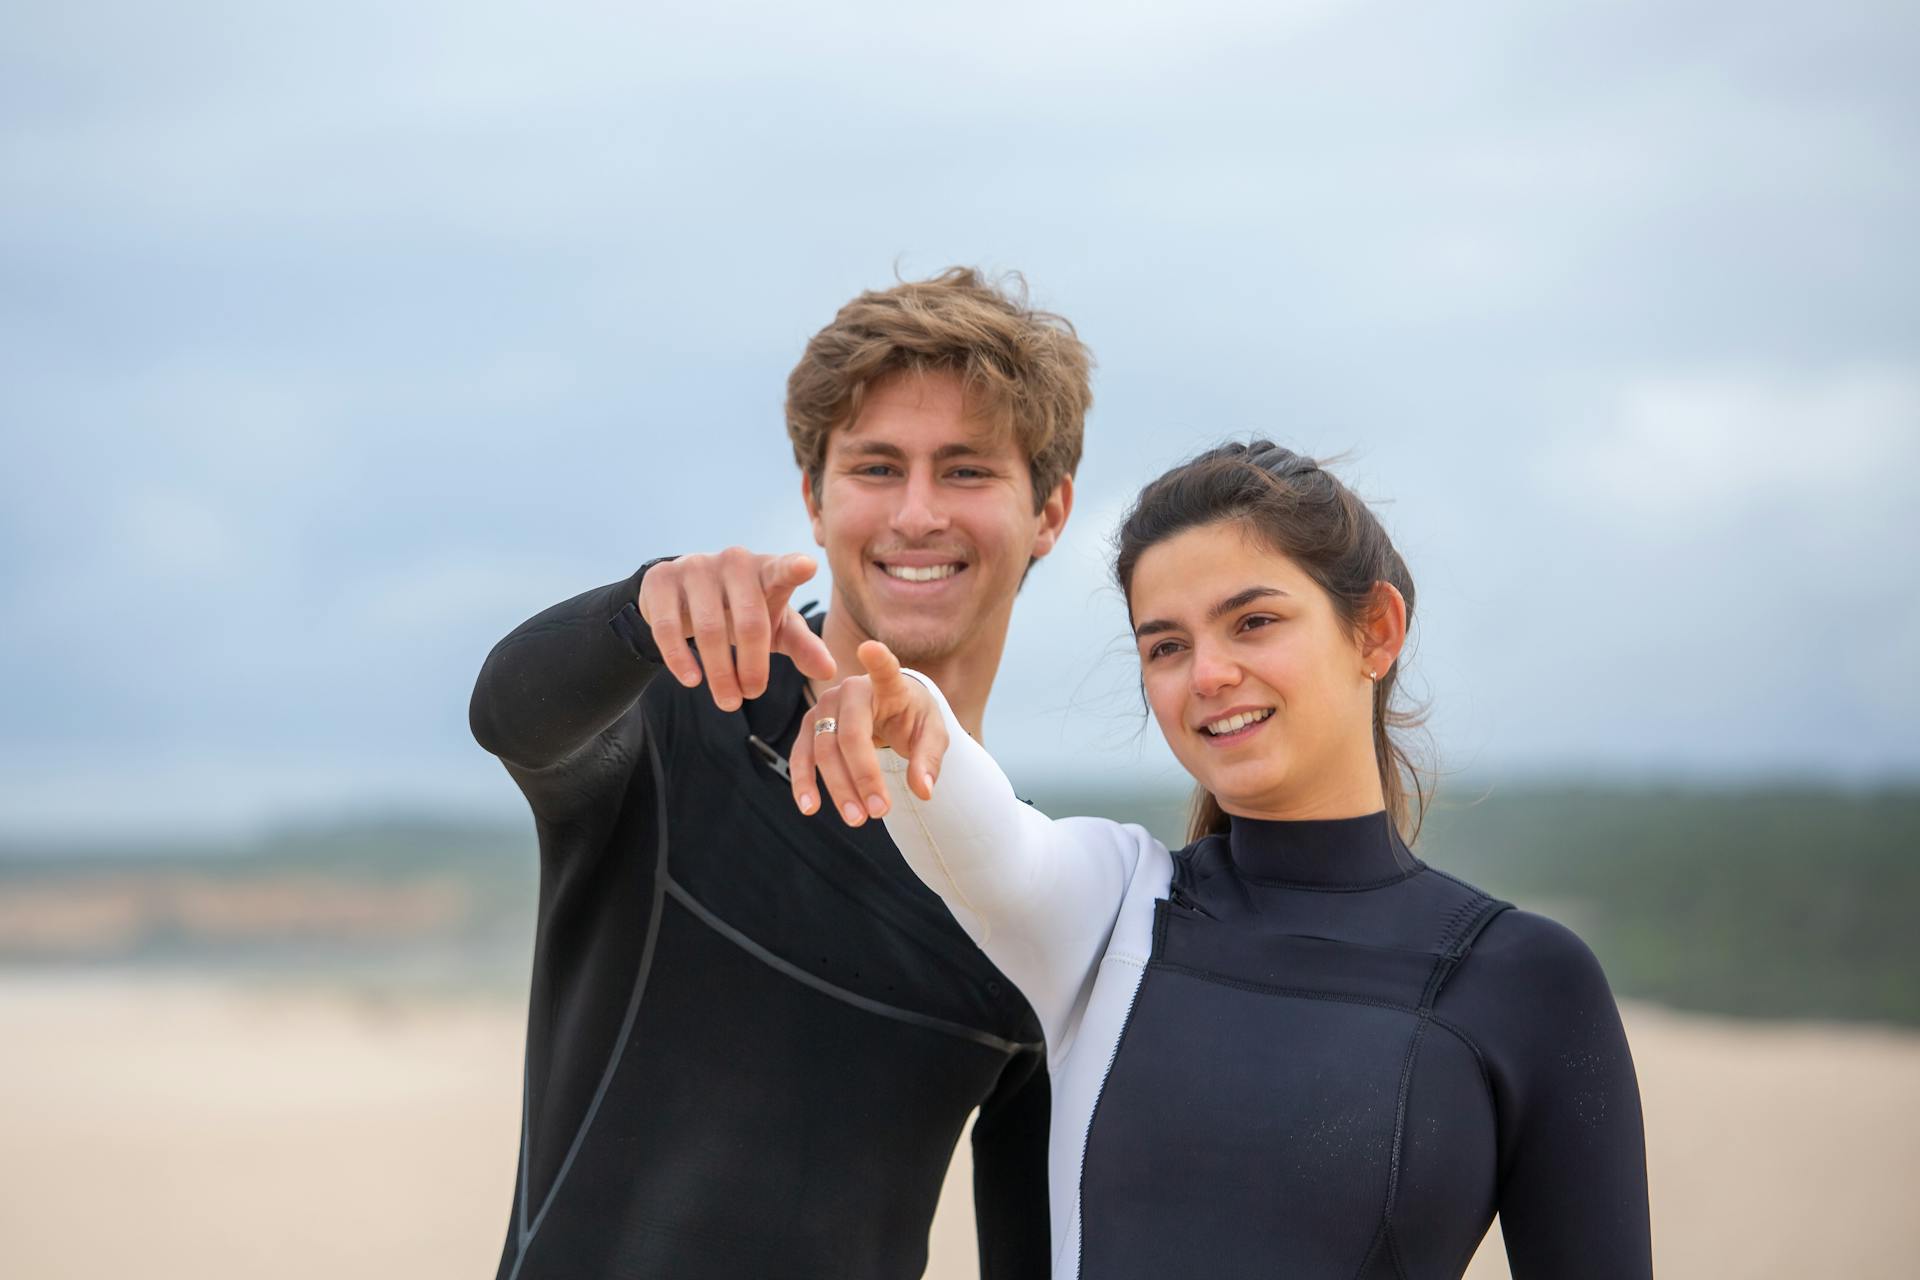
(1163, 648)
(1257, 620)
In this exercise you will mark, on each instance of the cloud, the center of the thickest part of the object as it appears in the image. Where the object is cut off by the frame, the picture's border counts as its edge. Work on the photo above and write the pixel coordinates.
(322, 362)
(1708, 448)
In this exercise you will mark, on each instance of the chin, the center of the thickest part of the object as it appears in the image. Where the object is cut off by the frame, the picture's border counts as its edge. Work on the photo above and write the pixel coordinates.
(918, 646)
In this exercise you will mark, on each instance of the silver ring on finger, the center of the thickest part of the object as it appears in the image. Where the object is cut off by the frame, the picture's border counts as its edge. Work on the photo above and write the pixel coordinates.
(825, 724)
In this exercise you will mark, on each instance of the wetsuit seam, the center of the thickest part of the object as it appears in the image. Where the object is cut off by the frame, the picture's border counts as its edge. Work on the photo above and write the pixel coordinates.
(925, 1021)
(1093, 1113)
(655, 910)
(1473, 1046)
(1399, 1144)
(1273, 989)
(986, 925)
(1309, 887)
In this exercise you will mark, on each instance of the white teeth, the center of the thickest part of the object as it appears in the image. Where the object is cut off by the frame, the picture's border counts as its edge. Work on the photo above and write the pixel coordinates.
(932, 573)
(1240, 721)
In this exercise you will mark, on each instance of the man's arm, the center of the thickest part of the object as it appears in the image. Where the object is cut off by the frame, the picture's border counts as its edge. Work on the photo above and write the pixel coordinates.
(556, 700)
(1010, 1173)
(562, 678)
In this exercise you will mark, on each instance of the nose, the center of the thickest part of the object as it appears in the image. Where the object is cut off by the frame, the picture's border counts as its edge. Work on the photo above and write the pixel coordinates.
(920, 513)
(1212, 670)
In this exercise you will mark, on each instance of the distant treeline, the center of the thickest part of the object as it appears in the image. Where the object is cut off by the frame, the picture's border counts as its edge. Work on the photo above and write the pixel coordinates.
(1777, 902)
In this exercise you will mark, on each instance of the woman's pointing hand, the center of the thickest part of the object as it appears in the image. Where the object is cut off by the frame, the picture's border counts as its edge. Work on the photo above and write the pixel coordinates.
(882, 708)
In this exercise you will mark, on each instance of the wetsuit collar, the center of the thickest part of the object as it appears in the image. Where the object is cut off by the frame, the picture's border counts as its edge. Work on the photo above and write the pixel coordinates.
(1324, 853)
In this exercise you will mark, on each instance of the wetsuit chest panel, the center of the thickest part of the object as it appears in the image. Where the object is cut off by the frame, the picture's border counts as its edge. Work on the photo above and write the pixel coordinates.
(1256, 1115)
(837, 903)
(875, 1104)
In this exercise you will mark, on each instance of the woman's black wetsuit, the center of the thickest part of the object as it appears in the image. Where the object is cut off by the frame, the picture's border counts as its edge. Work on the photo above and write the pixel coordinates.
(1295, 1049)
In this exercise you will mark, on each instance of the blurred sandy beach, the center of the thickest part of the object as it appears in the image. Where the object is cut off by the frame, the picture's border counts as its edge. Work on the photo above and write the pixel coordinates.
(182, 1126)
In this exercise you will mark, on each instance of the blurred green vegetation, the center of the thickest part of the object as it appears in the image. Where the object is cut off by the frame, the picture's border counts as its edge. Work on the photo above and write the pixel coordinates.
(1779, 902)
(1788, 901)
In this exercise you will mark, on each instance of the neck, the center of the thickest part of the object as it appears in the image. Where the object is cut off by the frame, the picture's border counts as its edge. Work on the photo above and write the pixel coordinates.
(1347, 787)
(965, 675)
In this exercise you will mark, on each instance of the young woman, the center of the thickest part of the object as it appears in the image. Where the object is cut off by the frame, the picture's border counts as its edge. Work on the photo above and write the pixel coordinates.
(1290, 1048)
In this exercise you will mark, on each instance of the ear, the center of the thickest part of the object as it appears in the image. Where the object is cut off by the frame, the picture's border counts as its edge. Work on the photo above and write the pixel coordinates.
(1053, 517)
(813, 509)
(1383, 630)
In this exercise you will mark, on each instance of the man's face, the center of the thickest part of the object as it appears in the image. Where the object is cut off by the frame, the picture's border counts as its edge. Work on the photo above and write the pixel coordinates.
(926, 514)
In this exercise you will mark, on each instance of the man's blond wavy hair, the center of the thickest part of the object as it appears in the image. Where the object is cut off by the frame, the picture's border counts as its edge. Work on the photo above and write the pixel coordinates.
(1020, 366)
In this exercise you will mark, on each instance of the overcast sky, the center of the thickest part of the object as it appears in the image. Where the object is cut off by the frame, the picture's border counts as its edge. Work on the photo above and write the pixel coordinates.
(336, 339)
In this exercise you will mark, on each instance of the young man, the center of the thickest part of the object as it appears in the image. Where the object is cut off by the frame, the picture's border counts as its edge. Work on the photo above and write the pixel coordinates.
(754, 1036)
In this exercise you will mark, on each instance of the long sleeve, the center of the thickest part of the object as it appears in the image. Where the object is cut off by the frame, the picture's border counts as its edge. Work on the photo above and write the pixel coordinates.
(1572, 1150)
(1038, 895)
(556, 699)
(1010, 1173)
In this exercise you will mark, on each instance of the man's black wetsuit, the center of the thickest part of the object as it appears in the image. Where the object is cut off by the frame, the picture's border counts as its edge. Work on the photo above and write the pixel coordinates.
(753, 1036)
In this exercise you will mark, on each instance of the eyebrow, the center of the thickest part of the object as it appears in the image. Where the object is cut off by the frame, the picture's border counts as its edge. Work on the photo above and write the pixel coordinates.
(1238, 600)
(883, 449)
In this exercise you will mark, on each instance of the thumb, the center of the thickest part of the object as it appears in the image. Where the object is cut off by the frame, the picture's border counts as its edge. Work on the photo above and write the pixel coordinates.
(779, 575)
(883, 667)
(808, 651)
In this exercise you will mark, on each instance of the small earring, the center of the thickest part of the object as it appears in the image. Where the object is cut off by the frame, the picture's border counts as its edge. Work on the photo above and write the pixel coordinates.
(1373, 675)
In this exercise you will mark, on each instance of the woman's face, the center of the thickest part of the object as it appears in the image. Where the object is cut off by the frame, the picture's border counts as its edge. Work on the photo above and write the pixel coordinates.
(1259, 686)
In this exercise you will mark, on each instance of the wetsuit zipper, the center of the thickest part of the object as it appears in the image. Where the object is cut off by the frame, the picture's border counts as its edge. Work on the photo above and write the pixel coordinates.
(1086, 1139)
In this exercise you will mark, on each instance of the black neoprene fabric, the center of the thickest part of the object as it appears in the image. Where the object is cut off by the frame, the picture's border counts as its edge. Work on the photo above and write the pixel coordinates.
(1342, 1063)
(753, 1036)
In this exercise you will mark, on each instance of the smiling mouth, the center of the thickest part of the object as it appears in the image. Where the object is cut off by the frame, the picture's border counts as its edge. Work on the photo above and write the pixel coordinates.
(1235, 725)
(919, 573)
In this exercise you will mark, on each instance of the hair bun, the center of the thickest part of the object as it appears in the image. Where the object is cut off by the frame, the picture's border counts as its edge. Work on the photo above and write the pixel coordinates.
(1279, 461)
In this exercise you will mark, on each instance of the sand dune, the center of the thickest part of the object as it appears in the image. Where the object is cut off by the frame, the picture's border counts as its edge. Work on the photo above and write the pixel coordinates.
(217, 1130)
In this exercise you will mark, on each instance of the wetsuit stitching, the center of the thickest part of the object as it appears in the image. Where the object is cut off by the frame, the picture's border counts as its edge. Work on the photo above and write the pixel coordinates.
(926, 1021)
(1308, 887)
(1270, 989)
(1093, 1115)
(1399, 1143)
(986, 925)
(633, 1003)
(1460, 1033)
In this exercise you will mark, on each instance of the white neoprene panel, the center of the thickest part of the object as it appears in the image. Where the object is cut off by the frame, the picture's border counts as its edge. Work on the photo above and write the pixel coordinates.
(1063, 907)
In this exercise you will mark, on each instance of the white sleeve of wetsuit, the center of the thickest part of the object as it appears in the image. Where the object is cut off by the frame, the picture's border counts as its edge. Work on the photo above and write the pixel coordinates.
(1038, 895)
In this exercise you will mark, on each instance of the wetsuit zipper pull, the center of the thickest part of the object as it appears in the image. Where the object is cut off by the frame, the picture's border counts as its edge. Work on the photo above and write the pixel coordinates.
(774, 760)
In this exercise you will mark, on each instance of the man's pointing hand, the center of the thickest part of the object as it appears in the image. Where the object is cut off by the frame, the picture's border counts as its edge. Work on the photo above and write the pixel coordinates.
(733, 606)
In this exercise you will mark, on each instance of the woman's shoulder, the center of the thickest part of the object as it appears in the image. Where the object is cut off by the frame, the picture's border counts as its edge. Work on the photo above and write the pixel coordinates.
(1527, 969)
(1529, 940)
(1142, 852)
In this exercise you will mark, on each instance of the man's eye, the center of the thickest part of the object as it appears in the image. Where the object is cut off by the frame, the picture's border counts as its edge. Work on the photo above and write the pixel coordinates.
(968, 473)
(874, 469)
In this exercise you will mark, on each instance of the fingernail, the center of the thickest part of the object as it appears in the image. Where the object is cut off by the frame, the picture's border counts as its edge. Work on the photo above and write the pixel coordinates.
(809, 802)
(876, 805)
(852, 810)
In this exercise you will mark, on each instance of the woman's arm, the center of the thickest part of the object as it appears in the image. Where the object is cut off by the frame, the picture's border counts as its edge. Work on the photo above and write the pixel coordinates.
(1039, 896)
(1573, 1164)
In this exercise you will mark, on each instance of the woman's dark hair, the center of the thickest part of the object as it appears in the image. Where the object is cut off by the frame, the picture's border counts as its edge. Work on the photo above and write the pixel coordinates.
(1288, 503)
